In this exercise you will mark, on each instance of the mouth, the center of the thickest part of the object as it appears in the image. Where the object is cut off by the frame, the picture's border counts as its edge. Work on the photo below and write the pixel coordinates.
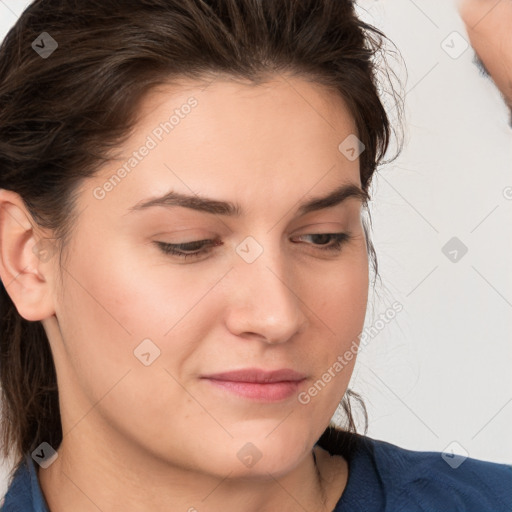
(256, 384)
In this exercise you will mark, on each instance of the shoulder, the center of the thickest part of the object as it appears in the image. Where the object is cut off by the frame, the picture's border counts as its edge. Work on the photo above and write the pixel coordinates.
(421, 480)
(385, 477)
(24, 493)
(18, 495)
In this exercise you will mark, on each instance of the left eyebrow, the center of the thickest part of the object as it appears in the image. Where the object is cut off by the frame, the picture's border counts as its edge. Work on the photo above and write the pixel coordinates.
(217, 207)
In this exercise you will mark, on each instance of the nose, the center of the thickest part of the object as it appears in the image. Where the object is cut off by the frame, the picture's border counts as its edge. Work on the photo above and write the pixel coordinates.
(264, 298)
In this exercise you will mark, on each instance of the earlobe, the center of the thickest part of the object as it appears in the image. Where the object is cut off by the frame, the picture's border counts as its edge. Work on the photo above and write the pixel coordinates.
(25, 259)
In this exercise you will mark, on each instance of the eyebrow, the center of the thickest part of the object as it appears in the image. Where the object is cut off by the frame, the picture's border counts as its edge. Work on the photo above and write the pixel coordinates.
(217, 207)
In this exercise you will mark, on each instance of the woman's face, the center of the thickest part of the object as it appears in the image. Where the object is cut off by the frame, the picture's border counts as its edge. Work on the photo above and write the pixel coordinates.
(489, 27)
(139, 329)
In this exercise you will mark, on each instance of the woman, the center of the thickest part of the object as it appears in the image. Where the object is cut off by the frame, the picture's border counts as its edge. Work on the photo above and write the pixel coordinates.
(185, 262)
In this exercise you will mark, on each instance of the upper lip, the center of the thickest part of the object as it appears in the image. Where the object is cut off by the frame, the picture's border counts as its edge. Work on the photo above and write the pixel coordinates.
(257, 375)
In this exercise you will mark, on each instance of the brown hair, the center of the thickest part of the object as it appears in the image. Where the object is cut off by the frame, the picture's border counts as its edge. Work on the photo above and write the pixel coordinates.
(61, 116)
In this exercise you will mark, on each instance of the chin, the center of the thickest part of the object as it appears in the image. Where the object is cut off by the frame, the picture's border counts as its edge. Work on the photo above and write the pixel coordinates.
(276, 453)
(276, 465)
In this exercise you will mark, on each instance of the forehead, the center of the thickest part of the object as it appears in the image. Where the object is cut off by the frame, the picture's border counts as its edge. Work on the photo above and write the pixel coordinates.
(234, 102)
(236, 140)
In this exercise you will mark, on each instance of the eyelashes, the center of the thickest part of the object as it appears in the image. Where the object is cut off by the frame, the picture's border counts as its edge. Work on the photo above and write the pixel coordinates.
(179, 250)
(201, 247)
(480, 65)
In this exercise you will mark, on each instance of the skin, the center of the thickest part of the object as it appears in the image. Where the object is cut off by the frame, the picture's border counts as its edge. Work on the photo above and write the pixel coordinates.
(488, 24)
(138, 438)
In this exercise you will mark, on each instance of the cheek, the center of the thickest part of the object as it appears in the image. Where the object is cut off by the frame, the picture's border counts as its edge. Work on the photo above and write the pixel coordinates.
(340, 297)
(108, 309)
(340, 302)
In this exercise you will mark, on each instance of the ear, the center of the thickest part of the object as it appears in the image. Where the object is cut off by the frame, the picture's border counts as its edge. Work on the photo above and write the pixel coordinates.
(26, 259)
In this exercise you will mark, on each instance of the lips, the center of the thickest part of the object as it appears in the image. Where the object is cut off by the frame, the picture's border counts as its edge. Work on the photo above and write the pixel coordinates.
(257, 384)
(258, 376)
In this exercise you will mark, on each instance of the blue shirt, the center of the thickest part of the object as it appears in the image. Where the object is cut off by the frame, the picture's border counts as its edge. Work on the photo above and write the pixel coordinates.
(382, 478)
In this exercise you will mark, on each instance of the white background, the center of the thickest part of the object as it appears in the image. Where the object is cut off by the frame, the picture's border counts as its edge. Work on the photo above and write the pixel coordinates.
(441, 370)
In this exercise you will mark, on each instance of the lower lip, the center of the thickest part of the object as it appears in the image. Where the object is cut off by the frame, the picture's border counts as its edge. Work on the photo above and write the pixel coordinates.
(268, 392)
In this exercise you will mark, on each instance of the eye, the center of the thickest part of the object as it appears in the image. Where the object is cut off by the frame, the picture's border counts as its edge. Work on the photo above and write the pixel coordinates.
(197, 248)
(339, 240)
